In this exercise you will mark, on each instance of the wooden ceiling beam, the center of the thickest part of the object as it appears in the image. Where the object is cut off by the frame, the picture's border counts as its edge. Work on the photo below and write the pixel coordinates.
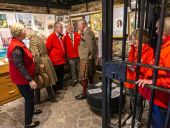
(37, 3)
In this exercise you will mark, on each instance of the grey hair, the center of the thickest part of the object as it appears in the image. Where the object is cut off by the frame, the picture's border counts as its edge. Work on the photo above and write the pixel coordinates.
(56, 24)
(83, 21)
(30, 33)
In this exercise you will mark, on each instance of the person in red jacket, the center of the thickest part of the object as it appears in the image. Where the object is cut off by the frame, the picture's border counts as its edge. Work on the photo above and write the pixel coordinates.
(72, 41)
(161, 99)
(21, 70)
(146, 58)
(56, 52)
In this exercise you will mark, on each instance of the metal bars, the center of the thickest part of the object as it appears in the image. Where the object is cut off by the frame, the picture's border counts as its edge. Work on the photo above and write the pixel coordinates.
(157, 56)
(107, 18)
(142, 7)
(123, 57)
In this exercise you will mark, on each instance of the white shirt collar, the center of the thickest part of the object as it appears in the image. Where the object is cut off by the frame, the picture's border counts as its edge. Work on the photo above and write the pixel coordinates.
(57, 34)
(85, 29)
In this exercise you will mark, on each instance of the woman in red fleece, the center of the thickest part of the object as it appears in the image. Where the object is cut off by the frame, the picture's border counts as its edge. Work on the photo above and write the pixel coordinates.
(146, 58)
(21, 70)
(161, 99)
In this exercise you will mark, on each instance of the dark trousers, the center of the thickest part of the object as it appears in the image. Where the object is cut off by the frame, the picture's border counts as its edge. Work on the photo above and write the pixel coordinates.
(37, 94)
(28, 95)
(59, 69)
(139, 104)
(158, 117)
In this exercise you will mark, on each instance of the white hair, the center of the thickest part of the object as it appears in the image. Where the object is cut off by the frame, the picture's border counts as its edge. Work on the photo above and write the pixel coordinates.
(16, 29)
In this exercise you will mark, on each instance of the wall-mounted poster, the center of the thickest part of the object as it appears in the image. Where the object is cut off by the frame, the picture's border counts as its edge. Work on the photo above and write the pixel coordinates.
(59, 18)
(10, 18)
(24, 18)
(118, 21)
(66, 19)
(39, 23)
(96, 23)
(3, 21)
(131, 22)
(50, 19)
(1, 44)
(6, 36)
(74, 22)
(87, 19)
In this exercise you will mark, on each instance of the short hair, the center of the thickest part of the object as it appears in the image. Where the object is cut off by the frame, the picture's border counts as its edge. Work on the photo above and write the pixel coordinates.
(82, 21)
(16, 29)
(69, 24)
(56, 24)
(145, 37)
(166, 30)
(30, 33)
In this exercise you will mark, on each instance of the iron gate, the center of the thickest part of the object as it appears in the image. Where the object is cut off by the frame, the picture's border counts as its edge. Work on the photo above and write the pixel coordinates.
(117, 69)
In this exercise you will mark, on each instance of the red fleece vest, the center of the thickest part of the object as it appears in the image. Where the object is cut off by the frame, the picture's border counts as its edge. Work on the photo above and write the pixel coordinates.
(28, 63)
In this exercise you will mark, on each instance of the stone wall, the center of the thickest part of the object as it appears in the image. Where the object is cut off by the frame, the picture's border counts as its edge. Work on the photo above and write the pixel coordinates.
(87, 7)
(81, 8)
(31, 9)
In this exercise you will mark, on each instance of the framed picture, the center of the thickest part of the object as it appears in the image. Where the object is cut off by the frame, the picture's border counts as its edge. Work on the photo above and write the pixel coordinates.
(131, 22)
(133, 5)
(74, 21)
(96, 23)
(118, 13)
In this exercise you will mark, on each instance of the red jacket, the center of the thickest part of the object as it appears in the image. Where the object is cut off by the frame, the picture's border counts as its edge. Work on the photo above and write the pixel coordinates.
(146, 58)
(14, 72)
(161, 98)
(56, 50)
(72, 50)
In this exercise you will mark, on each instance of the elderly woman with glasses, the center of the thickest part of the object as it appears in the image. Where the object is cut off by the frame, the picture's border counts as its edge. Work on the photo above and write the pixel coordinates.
(21, 70)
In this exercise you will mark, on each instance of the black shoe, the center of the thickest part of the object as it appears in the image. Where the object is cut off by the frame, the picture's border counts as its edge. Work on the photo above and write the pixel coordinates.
(64, 88)
(57, 92)
(53, 100)
(33, 124)
(80, 97)
(36, 112)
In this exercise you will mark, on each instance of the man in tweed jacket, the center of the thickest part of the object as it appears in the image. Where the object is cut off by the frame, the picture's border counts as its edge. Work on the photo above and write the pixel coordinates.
(87, 53)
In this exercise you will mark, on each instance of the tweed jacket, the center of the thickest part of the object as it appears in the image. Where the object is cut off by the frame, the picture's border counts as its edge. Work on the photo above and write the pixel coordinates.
(87, 48)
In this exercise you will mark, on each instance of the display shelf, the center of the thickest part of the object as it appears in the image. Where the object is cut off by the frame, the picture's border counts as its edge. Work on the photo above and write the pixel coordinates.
(8, 90)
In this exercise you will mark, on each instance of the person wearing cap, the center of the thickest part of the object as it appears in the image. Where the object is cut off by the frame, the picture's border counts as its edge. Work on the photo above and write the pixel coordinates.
(21, 70)
(45, 74)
